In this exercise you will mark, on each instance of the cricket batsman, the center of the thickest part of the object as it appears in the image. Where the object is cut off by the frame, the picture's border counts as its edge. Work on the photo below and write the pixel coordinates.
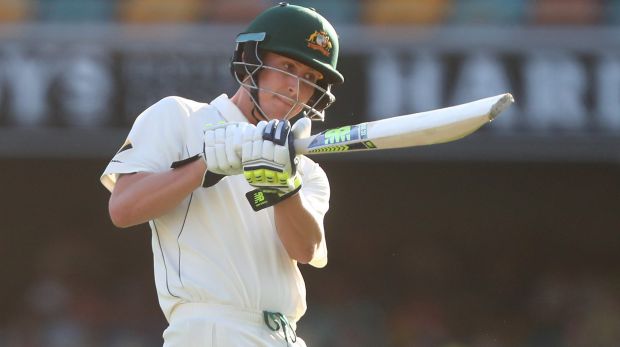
(232, 208)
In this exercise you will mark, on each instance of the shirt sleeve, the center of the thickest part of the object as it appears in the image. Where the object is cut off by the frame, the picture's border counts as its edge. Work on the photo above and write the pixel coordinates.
(315, 195)
(155, 140)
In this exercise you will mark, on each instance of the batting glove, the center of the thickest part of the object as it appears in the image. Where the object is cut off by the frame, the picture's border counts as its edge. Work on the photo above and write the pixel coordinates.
(270, 163)
(221, 142)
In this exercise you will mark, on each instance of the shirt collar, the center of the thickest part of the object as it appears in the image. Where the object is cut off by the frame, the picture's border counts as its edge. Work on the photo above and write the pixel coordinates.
(228, 109)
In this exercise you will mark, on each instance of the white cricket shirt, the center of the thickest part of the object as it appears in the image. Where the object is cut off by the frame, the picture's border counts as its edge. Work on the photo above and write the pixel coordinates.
(213, 247)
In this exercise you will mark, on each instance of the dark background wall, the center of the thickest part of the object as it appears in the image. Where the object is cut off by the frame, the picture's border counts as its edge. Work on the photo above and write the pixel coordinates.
(507, 238)
(462, 251)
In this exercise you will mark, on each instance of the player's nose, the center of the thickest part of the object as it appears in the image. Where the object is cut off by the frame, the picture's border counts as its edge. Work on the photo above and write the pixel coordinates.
(292, 86)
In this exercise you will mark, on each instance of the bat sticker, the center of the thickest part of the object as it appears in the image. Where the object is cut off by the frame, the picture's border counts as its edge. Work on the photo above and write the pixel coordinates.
(335, 138)
(347, 138)
(344, 148)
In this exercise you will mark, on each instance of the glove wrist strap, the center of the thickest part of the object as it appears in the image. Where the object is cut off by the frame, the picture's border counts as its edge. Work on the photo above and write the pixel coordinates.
(209, 179)
(261, 199)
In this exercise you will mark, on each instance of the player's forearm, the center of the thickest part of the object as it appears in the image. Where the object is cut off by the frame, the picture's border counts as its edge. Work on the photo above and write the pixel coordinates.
(140, 197)
(298, 229)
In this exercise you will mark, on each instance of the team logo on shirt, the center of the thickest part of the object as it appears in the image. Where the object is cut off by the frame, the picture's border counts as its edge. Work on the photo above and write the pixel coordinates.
(320, 41)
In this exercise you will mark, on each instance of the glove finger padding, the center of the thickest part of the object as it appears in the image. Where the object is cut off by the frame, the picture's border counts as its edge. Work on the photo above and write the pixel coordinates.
(271, 163)
(252, 143)
(220, 147)
(280, 135)
(233, 140)
(209, 152)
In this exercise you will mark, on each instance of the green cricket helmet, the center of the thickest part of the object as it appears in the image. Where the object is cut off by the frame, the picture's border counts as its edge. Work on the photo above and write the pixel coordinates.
(298, 33)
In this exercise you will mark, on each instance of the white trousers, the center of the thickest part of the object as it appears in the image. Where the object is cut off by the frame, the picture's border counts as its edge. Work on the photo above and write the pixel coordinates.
(211, 325)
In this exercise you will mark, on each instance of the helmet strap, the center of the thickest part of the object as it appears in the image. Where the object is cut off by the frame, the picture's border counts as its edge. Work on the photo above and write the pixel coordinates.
(257, 111)
(252, 55)
(257, 114)
(255, 100)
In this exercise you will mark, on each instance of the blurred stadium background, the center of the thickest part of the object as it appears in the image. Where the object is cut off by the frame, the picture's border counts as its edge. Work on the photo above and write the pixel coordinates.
(507, 238)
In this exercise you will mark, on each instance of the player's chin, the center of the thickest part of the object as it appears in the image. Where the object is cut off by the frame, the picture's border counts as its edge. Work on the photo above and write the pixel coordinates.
(284, 112)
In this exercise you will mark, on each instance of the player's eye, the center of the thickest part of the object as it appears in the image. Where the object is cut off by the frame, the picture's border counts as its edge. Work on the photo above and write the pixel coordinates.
(311, 77)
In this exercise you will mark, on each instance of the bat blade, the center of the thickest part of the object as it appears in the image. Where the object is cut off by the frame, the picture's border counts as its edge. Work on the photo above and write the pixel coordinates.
(417, 129)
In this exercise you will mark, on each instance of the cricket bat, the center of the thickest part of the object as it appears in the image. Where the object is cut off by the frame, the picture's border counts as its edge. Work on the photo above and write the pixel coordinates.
(417, 129)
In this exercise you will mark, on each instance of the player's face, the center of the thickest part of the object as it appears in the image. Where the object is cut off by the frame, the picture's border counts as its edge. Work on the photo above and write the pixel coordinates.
(290, 85)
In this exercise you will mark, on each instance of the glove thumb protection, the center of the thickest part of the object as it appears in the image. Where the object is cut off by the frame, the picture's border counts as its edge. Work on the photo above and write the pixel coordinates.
(302, 128)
